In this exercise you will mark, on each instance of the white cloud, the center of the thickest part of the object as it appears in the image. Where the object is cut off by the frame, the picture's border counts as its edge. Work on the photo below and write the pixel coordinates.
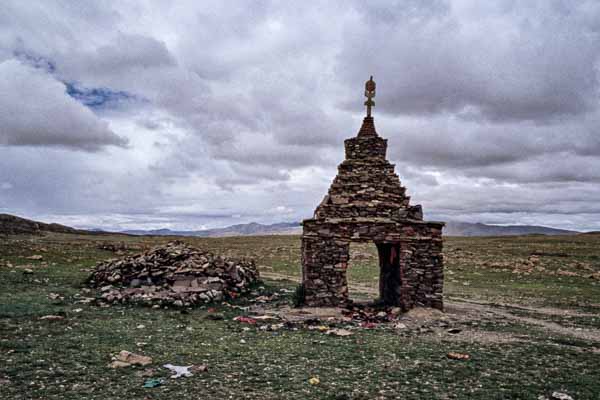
(35, 110)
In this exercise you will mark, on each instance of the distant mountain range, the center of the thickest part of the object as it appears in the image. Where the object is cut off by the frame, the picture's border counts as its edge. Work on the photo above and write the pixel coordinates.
(251, 229)
(454, 228)
(13, 225)
(292, 228)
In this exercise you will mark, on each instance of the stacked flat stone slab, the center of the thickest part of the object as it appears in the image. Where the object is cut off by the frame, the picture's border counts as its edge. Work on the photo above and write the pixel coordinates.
(367, 203)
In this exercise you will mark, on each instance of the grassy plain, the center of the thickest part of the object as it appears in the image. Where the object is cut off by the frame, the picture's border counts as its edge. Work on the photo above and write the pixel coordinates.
(528, 311)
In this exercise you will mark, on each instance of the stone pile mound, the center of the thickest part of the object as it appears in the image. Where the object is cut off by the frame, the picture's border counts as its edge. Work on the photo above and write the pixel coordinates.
(173, 274)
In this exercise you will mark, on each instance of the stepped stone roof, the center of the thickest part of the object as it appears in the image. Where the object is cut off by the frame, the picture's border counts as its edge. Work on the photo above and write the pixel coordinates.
(366, 185)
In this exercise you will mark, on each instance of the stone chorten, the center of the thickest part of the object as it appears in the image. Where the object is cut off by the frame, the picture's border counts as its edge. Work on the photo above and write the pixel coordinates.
(367, 203)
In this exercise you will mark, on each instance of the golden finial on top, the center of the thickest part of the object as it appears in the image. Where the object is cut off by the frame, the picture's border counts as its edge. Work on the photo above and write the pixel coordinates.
(369, 94)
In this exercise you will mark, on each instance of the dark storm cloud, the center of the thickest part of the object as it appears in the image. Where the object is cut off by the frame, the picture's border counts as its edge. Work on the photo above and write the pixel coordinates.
(502, 61)
(447, 142)
(556, 167)
(126, 52)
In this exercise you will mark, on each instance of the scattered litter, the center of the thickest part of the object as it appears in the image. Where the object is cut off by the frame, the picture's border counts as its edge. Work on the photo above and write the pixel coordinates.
(52, 317)
(399, 325)
(321, 328)
(35, 257)
(339, 332)
(362, 313)
(152, 383)
(264, 317)
(245, 320)
(179, 370)
(78, 310)
(28, 271)
(458, 356)
(271, 327)
(314, 380)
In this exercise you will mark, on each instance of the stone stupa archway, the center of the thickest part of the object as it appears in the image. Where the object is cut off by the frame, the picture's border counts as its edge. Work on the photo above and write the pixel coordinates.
(367, 203)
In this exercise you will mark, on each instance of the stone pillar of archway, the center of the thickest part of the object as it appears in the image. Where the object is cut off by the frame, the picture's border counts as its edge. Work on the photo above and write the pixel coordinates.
(324, 264)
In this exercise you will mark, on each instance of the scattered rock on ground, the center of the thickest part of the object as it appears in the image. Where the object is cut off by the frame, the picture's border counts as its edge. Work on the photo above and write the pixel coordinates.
(119, 364)
(339, 332)
(114, 247)
(52, 317)
(199, 368)
(126, 358)
(458, 356)
(147, 373)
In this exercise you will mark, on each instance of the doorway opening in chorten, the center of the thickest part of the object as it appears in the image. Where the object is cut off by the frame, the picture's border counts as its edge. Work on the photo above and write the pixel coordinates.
(363, 272)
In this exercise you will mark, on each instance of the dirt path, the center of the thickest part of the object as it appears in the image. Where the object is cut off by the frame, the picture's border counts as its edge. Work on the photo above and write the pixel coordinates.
(458, 306)
(552, 311)
(550, 327)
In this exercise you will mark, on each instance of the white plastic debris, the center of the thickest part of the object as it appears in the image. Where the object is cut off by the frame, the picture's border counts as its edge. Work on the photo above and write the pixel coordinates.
(561, 396)
(338, 332)
(179, 370)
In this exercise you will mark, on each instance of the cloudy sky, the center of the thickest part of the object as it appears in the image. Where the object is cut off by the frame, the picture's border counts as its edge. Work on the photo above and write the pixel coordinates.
(192, 115)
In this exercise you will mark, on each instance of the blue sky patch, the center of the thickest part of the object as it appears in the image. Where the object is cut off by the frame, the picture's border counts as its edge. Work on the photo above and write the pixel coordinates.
(94, 98)
(100, 98)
